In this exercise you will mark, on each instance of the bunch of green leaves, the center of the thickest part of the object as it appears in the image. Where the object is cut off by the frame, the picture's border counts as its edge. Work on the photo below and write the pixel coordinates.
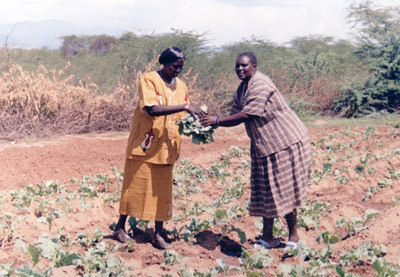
(191, 126)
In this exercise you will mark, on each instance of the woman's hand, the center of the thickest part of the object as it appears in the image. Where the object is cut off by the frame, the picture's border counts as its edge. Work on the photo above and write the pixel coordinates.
(208, 120)
(194, 110)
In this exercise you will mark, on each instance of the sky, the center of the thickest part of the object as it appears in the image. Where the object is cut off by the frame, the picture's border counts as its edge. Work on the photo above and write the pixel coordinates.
(220, 21)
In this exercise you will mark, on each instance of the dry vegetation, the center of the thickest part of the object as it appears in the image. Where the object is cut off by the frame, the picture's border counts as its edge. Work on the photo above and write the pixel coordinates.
(43, 103)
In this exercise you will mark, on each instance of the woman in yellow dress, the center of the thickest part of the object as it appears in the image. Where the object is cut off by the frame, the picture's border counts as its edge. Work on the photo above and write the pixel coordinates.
(153, 147)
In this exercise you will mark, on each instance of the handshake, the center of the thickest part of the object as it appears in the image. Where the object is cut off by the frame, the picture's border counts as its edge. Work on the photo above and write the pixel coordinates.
(198, 124)
(201, 116)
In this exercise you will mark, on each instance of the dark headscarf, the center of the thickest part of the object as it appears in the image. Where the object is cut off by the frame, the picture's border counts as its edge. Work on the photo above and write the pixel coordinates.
(171, 55)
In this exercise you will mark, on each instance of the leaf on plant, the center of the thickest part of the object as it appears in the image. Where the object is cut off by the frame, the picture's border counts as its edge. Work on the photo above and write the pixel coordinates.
(34, 253)
(47, 247)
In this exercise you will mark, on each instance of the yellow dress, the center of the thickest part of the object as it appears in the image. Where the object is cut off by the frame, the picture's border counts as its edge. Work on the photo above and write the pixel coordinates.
(153, 147)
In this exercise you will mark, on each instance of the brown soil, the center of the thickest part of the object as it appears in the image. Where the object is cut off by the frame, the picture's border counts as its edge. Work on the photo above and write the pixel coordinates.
(64, 158)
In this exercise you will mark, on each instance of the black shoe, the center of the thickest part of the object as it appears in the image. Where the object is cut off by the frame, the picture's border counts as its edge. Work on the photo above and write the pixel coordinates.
(121, 236)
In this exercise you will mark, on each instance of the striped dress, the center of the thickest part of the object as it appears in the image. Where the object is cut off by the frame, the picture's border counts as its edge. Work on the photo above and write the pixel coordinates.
(280, 150)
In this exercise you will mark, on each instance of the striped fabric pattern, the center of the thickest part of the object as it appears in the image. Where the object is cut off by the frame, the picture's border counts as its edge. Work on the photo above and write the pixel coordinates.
(274, 125)
(280, 150)
(278, 181)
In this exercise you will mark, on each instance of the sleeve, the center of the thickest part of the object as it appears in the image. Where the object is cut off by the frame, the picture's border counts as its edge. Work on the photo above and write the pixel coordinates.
(148, 95)
(256, 98)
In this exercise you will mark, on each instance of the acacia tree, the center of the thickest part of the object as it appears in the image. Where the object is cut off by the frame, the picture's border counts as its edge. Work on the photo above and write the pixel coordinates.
(378, 46)
(102, 44)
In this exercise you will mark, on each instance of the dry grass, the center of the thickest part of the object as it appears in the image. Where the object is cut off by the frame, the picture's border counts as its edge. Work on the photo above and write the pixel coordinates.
(42, 103)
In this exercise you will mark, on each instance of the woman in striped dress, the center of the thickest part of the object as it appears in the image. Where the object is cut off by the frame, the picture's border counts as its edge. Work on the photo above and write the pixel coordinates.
(280, 150)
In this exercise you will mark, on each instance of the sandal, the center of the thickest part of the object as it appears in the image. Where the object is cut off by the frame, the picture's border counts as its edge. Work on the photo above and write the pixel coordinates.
(292, 245)
(121, 236)
(159, 242)
(262, 243)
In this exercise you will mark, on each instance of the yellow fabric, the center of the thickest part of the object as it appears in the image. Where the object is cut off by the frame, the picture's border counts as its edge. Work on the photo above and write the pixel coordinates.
(147, 191)
(162, 132)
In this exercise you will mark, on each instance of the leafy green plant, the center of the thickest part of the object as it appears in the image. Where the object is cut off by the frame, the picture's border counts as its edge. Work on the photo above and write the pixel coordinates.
(138, 224)
(368, 132)
(26, 270)
(310, 214)
(255, 260)
(223, 267)
(366, 252)
(6, 269)
(328, 238)
(171, 257)
(342, 179)
(383, 268)
(356, 224)
(364, 168)
(86, 241)
(223, 218)
(370, 191)
(191, 126)
(7, 226)
(341, 273)
(188, 178)
(99, 260)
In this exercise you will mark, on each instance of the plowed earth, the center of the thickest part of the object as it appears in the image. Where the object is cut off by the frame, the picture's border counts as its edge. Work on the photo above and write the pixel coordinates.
(343, 173)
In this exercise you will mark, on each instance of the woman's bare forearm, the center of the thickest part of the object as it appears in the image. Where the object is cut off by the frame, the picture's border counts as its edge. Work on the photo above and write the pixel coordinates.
(233, 120)
(158, 110)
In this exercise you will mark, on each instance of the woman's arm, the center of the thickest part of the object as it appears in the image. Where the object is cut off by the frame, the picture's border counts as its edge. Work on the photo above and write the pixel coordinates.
(158, 110)
(226, 121)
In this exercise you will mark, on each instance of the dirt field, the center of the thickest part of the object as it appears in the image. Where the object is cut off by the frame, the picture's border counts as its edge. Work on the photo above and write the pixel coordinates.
(355, 170)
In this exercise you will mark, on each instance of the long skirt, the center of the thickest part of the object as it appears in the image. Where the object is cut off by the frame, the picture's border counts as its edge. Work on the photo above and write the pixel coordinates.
(147, 191)
(278, 181)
